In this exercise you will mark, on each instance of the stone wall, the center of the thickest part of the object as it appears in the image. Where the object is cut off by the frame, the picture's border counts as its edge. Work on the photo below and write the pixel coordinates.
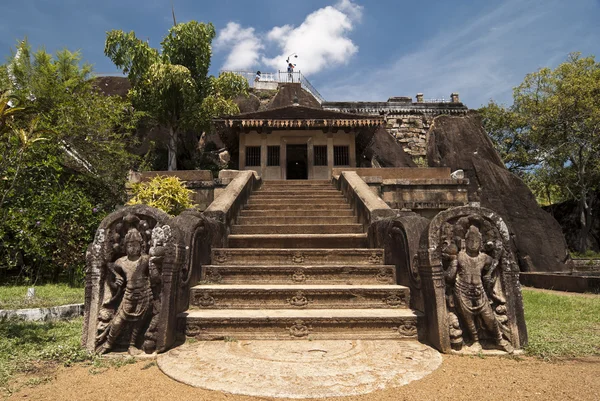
(411, 133)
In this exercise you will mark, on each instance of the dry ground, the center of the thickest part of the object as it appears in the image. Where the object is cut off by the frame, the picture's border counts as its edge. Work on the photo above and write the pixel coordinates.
(459, 378)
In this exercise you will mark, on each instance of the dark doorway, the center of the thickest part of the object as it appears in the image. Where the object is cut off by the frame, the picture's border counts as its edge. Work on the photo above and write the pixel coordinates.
(297, 162)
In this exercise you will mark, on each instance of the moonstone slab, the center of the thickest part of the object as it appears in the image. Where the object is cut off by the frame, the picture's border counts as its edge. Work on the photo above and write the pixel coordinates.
(299, 369)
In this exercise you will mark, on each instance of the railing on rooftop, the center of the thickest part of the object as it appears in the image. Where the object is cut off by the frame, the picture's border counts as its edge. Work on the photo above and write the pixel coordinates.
(281, 77)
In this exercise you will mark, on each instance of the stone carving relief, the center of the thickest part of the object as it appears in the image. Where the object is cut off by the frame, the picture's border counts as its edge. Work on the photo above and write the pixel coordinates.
(298, 258)
(129, 312)
(299, 329)
(395, 300)
(220, 257)
(407, 329)
(374, 259)
(473, 256)
(298, 300)
(205, 300)
(299, 276)
(213, 275)
(384, 275)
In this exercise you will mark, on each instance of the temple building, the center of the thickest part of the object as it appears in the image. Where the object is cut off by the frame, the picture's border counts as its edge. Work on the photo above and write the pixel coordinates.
(296, 142)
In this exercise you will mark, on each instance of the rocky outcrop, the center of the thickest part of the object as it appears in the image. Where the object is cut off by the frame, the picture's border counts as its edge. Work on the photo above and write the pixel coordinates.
(461, 143)
(287, 93)
(385, 151)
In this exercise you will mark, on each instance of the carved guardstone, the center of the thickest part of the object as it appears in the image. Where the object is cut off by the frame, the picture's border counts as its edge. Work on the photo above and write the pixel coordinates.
(131, 268)
(471, 283)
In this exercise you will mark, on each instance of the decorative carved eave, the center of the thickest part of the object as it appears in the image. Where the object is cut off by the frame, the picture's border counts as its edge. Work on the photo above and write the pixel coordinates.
(295, 118)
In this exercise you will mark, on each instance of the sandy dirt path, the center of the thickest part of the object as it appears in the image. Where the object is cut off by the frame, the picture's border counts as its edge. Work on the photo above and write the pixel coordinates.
(459, 378)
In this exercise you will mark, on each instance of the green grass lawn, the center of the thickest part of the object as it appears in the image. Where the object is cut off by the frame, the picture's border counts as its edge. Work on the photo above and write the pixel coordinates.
(562, 325)
(24, 345)
(14, 297)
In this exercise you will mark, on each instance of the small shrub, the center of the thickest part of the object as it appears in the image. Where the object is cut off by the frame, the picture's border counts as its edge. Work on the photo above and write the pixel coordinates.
(165, 193)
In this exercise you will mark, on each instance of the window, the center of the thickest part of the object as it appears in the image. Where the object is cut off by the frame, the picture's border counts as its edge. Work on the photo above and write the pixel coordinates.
(272, 155)
(252, 155)
(320, 155)
(341, 156)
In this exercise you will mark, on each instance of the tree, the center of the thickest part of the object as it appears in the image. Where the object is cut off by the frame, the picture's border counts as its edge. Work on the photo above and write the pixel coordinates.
(172, 86)
(555, 120)
(63, 162)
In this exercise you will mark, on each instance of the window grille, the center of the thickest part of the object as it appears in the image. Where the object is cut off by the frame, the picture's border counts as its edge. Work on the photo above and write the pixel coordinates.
(252, 155)
(320, 155)
(341, 156)
(272, 155)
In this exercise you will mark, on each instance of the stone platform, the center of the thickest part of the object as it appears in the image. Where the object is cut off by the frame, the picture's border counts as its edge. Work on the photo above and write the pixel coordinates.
(299, 369)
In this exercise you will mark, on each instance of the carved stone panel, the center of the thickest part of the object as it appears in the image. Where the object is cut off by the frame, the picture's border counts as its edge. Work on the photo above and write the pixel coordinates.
(130, 268)
(473, 300)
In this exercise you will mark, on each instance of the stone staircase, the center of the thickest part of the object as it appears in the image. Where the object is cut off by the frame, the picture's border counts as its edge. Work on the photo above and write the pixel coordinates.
(298, 267)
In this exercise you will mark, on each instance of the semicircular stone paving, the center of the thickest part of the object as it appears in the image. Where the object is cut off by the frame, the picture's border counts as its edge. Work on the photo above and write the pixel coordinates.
(299, 369)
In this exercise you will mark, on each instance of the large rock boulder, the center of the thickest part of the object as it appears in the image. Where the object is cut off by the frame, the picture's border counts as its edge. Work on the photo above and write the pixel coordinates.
(462, 143)
(385, 151)
(289, 92)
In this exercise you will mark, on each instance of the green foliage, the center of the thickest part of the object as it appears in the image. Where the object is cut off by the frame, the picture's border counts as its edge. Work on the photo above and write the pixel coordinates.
(552, 133)
(63, 166)
(164, 193)
(172, 86)
(508, 131)
(562, 325)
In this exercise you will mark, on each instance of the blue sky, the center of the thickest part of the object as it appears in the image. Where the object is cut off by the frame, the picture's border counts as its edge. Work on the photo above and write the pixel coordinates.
(348, 49)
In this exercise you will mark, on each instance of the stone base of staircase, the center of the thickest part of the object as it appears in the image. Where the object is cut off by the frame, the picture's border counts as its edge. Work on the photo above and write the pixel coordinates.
(285, 324)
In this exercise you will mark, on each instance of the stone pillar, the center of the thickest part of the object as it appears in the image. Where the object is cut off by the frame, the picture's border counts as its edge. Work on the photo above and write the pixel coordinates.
(283, 160)
(329, 155)
(263, 155)
(419, 98)
(242, 152)
(310, 155)
(454, 97)
(352, 149)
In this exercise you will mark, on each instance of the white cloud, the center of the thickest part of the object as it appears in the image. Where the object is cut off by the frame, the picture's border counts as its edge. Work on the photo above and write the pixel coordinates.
(243, 44)
(481, 58)
(352, 10)
(321, 41)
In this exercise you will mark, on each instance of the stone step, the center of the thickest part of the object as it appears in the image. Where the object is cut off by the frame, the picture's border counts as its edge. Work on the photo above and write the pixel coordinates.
(297, 240)
(306, 197)
(297, 201)
(294, 274)
(295, 220)
(310, 324)
(296, 257)
(295, 192)
(294, 206)
(298, 229)
(297, 213)
(286, 183)
(278, 296)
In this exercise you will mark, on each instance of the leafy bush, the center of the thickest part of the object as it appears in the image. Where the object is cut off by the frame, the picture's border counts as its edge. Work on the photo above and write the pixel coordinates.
(164, 193)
